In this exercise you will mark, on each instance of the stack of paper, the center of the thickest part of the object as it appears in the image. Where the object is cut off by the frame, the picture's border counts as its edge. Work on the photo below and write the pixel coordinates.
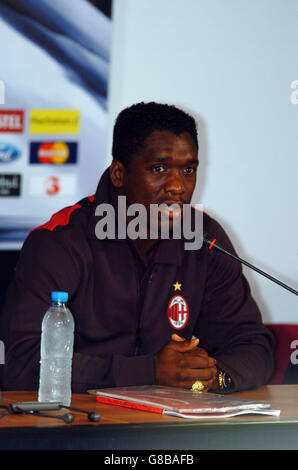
(182, 403)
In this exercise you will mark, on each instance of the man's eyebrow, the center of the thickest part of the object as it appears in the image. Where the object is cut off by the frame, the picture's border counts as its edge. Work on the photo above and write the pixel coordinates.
(160, 159)
(193, 160)
(165, 159)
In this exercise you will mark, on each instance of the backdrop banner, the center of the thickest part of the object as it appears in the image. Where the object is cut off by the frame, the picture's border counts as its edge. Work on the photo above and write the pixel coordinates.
(55, 61)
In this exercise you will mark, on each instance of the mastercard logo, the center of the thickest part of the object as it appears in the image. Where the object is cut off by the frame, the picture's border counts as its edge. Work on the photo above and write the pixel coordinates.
(53, 152)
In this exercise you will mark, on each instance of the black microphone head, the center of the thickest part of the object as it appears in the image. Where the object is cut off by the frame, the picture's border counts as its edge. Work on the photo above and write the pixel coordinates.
(210, 242)
(207, 239)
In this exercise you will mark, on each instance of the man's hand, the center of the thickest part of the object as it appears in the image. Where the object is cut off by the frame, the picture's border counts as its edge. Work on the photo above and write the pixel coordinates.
(181, 362)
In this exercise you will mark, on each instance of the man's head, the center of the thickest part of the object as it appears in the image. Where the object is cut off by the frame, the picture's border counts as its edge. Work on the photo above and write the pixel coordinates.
(135, 123)
(155, 157)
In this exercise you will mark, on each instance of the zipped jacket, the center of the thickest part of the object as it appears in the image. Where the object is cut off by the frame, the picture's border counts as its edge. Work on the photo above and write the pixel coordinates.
(126, 308)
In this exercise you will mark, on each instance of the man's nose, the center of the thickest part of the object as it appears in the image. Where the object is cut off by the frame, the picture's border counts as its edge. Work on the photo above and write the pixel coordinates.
(175, 183)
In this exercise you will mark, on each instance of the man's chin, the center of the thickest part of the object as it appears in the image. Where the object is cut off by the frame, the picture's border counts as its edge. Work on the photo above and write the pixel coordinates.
(167, 229)
(171, 214)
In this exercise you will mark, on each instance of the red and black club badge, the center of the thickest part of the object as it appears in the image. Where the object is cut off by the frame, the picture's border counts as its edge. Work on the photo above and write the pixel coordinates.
(178, 312)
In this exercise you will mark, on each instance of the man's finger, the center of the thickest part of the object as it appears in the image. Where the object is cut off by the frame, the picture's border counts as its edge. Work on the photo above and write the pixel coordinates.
(183, 345)
(197, 362)
(188, 376)
(175, 337)
(197, 352)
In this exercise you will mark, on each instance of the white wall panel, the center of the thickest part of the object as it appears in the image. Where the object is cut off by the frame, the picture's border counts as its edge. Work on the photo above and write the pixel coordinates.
(231, 64)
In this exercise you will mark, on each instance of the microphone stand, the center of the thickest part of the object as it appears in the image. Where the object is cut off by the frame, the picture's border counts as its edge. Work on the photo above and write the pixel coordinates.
(210, 241)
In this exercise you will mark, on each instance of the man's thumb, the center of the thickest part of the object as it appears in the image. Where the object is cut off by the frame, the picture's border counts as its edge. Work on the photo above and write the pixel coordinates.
(189, 344)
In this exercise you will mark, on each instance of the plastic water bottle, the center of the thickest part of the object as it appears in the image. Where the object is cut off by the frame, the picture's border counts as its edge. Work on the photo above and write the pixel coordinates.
(56, 352)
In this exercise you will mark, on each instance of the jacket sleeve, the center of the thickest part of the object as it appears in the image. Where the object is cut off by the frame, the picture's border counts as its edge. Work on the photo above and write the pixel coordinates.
(230, 323)
(45, 265)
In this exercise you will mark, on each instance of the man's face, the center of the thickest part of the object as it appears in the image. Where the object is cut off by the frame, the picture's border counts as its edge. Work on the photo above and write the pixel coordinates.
(163, 172)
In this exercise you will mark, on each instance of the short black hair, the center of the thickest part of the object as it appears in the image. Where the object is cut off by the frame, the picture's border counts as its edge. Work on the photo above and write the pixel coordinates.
(134, 124)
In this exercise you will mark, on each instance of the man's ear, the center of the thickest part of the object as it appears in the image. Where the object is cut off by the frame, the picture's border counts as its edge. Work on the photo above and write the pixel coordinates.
(117, 173)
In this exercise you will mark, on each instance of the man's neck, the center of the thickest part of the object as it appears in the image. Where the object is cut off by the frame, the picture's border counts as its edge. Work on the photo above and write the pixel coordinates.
(146, 247)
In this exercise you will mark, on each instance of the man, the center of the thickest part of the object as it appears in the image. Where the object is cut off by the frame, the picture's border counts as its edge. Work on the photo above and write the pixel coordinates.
(146, 310)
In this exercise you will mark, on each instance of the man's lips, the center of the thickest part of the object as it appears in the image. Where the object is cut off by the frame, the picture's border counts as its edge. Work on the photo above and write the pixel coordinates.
(170, 203)
(172, 209)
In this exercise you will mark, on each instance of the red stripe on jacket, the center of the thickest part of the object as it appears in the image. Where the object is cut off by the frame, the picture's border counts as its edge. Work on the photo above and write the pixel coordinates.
(61, 218)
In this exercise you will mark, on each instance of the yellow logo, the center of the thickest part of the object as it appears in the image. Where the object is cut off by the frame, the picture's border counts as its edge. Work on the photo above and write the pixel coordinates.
(54, 121)
(177, 285)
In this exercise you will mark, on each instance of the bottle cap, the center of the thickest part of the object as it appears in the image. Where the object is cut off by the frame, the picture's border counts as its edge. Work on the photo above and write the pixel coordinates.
(59, 296)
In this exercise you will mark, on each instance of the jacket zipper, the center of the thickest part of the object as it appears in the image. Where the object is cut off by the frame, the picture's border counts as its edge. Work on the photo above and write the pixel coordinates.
(138, 340)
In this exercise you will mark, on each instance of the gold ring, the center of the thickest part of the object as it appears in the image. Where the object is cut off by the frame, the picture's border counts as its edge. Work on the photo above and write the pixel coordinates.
(198, 386)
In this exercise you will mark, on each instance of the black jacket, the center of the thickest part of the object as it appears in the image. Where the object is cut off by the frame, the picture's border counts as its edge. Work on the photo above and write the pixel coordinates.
(122, 305)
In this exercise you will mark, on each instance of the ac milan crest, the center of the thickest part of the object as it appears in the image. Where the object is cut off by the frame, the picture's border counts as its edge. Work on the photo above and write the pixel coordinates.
(178, 312)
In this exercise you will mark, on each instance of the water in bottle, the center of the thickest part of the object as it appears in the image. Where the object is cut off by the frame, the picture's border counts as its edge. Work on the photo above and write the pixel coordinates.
(56, 351)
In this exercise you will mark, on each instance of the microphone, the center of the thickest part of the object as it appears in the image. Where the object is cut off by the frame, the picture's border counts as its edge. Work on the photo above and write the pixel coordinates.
(210, 242)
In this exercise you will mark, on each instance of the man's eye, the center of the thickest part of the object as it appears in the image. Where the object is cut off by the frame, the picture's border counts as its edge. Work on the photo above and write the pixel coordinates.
(189, 170)
(158, 169)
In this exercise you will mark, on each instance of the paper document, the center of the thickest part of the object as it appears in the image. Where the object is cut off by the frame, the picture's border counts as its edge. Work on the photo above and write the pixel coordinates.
(181, 402)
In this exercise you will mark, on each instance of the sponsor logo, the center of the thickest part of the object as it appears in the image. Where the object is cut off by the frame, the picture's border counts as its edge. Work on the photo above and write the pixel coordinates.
(10, 185)
(54, 121)
(178, 312)
(11, 121)
(8, 153)
(53, 153)
(52, 185)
